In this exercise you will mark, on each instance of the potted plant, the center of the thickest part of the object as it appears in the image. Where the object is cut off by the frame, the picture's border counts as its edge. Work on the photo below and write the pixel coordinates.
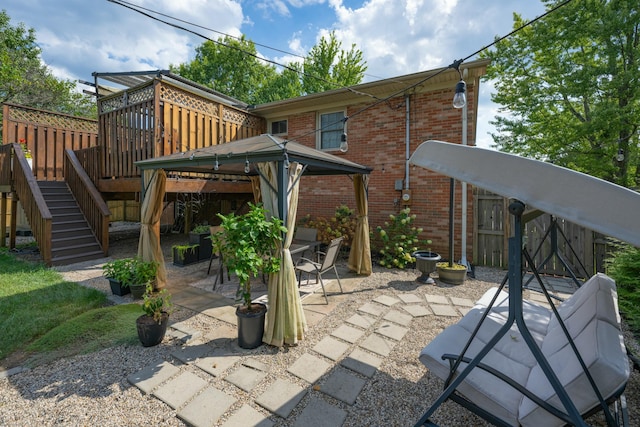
(451, 272)
(152, 325)
(116, 271)
(132, 273)
(185, 254)
(201, 235)
(247, 244)
(426, 262)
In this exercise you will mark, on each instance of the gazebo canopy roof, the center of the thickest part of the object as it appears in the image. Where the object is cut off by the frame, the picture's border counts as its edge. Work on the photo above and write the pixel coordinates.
(232, 158)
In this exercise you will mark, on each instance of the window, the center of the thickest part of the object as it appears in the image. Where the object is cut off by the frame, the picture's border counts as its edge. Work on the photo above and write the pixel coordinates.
(279, 127)
(331, 130)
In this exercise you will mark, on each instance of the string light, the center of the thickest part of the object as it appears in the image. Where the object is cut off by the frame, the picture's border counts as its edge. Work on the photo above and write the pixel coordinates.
(247, 169)
(216, 165)
(344, 145)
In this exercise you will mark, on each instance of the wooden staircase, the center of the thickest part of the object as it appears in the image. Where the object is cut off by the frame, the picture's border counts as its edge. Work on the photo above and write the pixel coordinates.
(72, 239)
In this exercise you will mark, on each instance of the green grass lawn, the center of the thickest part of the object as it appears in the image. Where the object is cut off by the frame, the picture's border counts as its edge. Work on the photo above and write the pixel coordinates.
(46, 317)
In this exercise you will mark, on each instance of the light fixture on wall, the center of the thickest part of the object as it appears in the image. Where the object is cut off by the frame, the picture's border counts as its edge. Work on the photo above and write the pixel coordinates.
(344, 145)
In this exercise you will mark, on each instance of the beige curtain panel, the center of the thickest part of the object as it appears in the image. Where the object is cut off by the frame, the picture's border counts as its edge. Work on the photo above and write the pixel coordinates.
(360, 255)
(149, 248)
(285, 322)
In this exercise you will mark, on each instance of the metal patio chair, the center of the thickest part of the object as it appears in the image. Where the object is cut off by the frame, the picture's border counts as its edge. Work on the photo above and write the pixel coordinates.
(305, 265)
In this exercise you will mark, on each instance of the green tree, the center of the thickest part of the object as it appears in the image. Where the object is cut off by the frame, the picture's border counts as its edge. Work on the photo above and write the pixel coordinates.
(25, 80)
(569, 85)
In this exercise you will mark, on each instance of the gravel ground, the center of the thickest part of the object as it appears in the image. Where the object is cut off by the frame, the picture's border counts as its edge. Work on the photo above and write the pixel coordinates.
(92, 389)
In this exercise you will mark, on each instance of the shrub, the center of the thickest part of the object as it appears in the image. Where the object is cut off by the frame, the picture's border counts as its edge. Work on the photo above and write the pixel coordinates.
(624, 267)
(343, 224)
(398, 240)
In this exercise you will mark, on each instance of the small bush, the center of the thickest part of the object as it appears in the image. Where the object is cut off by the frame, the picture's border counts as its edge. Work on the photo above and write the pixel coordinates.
(624, 267)
(343, 224)
(398, 240)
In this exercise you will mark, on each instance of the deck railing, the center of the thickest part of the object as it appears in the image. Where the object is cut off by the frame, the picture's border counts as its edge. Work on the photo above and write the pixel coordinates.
(88, 197)
(5, 164)
(91, 161)
(35, 208)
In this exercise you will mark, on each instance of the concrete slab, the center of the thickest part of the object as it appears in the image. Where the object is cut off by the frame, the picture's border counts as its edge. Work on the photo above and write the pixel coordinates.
(391, 330)
(410, 298)
(188, 332)
(443, 310)
(281, 397)
(348, 333)
(362, 362)
(436, 299)
(221, 335)
(462, 302)
(417, 310)
(206, 408)
(224, 313)
(386, 300)
(331, 348)
(152, 376)
(217, 363)
(343, 385)
(372, 309)
(312, 317)
(310, 368)
(319, 413)
(246, 416)
(180, 389)
(362, 321)
(246, 378)
(398, 317)
(190, 353)
(377, 344)
(256, 364)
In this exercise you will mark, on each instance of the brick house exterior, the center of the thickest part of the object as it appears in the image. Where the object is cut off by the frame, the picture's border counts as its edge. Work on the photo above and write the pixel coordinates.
(379, 132)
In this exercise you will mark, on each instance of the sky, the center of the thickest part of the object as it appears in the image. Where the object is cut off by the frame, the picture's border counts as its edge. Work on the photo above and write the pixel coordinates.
(396, 37)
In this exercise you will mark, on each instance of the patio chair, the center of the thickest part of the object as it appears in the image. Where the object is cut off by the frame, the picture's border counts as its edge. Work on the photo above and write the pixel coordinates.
(215, 254)
(305, 235)
(305, 265)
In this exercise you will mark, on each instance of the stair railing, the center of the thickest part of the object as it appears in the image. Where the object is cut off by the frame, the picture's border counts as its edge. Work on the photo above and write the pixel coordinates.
(88, 197)
(33, 203)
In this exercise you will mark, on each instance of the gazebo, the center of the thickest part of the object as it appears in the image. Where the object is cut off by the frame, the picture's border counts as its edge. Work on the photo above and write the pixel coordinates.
(275, 166)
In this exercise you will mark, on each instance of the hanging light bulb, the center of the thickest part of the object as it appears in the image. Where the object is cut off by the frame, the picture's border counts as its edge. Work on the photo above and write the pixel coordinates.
(620, 155)
(216, 165)
(344, 145)
(247, 169)
(286, 161)
(192, 155)
(460, 98)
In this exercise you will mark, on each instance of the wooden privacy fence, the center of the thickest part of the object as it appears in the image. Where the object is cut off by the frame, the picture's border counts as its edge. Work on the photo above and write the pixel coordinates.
(578, 246)
(47, 135)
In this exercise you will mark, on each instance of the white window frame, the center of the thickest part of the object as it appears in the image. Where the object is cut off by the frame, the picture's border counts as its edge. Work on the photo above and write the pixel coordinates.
(334, 127)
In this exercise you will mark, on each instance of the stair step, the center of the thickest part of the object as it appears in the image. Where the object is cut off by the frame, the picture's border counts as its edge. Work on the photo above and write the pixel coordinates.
(66, 241)
(64, 210)
(59, 202)
(67, 217)
(66, 225)
(77, 250)
(70, 232)
(71, 259)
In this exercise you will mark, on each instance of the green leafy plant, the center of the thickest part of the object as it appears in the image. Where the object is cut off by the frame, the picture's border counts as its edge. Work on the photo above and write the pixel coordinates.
(201, 229)
(342, 224)
(398, 240)
(248, 246)
(181, 250)
(624, 267)
(156, 303)
(131, 271)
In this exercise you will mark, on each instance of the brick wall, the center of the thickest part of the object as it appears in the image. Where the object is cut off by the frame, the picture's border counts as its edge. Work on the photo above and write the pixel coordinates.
(377, 139)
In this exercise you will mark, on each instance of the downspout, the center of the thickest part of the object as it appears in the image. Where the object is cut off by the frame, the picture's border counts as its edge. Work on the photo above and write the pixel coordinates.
(407, 141)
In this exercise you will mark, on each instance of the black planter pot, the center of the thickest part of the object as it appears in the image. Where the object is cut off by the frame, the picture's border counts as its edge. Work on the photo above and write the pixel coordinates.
(251, 325)
(189, 256)
(426, 263)
(151, 332)
(204, 242)
(117, 288)
(137, 290)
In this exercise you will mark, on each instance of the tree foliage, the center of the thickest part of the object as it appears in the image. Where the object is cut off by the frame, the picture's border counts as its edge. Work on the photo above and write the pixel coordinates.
(569, 88)
(25, 80)
(233, 66)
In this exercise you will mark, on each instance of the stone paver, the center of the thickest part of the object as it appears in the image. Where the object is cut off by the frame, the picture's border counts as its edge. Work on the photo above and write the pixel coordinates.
(310, 368)
(378, 345)
(417, 310)
(347, 333)
(331, 348)
(191, 353)
(224, 313)
(362, 321)
(462, 302)
(246, 416)
(180, 389)
(216, 363)
(256, 364)
(392, 331)
(187, 332)
(343, 385)
(319, 413)
(372, 309)
(152, 376)
(443, 310)
(398, 317)
(246, 378)
(206, 408)
(281, 397)
(386, 300)
(410, 298)
(362, 362)
(436, 299)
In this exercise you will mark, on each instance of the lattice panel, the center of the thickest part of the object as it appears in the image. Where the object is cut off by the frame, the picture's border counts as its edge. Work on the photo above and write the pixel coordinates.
(189, 100)
(54, 120)
(244, 119)
(140, 95)
(112, 104)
